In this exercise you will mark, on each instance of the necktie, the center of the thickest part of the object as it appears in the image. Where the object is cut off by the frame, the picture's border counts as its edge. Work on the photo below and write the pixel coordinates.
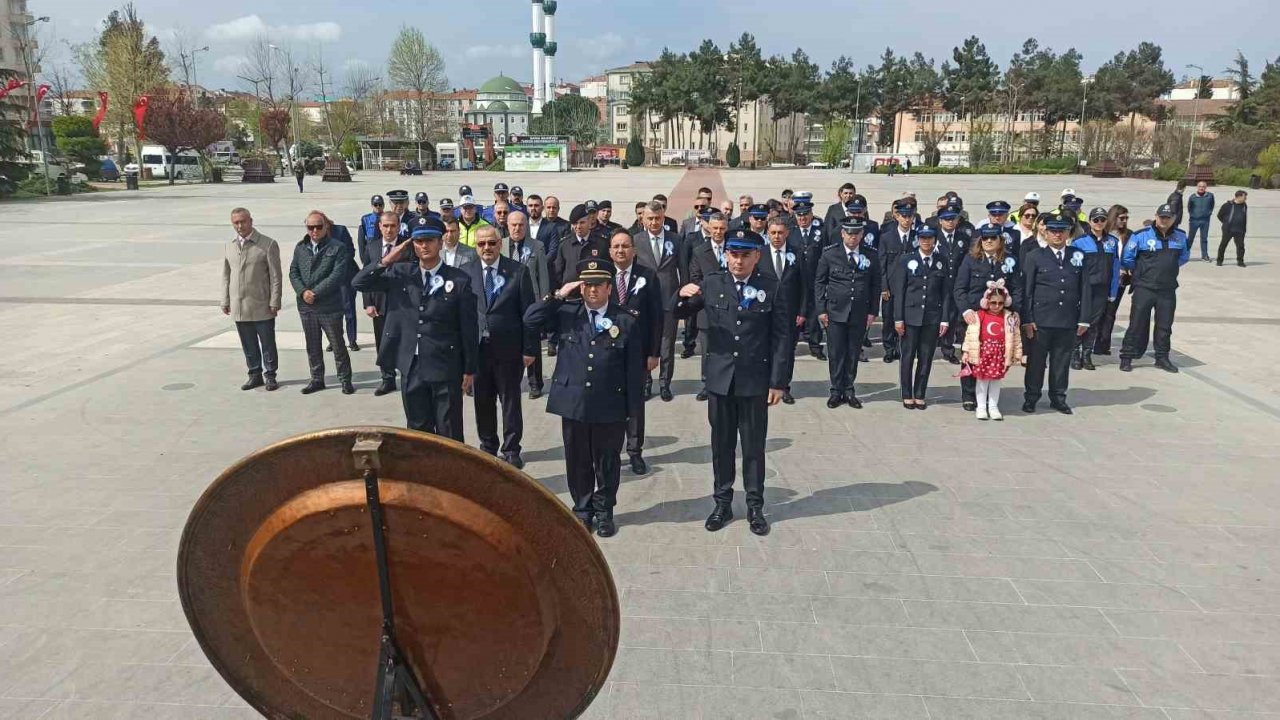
(720, 256)
(740, 284)
(490, 287)
(386, 249)
(426, 282)
(622, 287)
(657, 249)
(1058, 253)
(777, 262)
(853, 260)
(594, 320)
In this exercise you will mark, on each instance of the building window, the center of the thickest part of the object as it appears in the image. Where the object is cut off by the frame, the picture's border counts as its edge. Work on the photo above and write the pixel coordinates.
(620, 127)
(621, 110)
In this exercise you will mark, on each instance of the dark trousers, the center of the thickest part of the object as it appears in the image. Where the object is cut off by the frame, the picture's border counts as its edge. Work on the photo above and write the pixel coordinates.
(1163, 302)
(1227, 237)
(690, 332)
(635, 433)
(299, 179)
(498, 379)
(349, 310)
(1107, 324)
(386, 358)
(813, 332)
(918, 345)
(1098, 305)
(330, 324)
(258, 341)
(732, 416)
(667, 354)
(888, 336)
(1051, 350)
(844, 345)
(434, 407)
(534, 371)
(591, 465)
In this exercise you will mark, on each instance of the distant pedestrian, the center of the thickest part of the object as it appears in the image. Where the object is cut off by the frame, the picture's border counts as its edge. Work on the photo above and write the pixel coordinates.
(907, 170)
(251, 286)
(1174, 201)
(1199, 213)
(1234, 217)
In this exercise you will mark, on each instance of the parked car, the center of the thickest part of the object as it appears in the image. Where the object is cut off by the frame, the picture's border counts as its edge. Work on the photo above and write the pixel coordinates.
(109, 171)
(411, 168)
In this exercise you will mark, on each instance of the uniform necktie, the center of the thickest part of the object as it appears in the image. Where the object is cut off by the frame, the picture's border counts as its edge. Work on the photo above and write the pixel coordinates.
(853, 259)
(490, 286)
(740, 284)
(777, 262)
(1058, 253)
(622, 287)
(595, 320)
(426, 282)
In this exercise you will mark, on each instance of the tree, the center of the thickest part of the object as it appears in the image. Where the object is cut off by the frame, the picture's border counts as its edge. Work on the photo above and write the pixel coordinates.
(1241, 112)
(126, 62)
(733, 156)
(892, 85)
(970, 80)
(707, 90)
(635, 152)
(793, 85)
(415, 65)
(1052, 85)
(275, 126)
(1266, 99)
(77, 139)
(746, 74)
(835, 144)
(174, 122)
(1204, 87)
(1129, 83)
(571, 115)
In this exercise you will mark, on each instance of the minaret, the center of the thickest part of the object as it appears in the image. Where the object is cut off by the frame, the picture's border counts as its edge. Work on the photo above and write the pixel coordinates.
(549, 49)
(537, 38)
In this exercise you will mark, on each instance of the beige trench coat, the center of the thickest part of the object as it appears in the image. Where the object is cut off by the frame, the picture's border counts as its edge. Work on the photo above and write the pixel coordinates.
(251, 279)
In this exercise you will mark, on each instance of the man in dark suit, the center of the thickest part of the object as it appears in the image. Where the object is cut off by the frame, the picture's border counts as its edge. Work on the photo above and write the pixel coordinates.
(529, 252)
(541, 228)
(836, 210)
(503, 292)
(342, 236)
(894, 242)
(808, 237)
(693, 223)
(846, 291)
(749, 358)
(1055, 311)
(433, 325)
(954, 242)
(551, 214)
(319, 269)
(703, 260)
(662, 252)
(452, 251)
(375, 303)
(922, 309)
(638, 288)
(691, 241)
(668, 222)
(596, 385)
(783, 262)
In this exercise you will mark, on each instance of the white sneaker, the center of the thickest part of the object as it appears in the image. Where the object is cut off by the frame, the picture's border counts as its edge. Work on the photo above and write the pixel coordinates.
(995, 414)
(980, 413)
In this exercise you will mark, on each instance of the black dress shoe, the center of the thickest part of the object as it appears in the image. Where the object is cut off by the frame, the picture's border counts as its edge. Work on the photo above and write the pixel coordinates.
(818, 353)
(686, 353)
(348, 388)
(836, 400)
(863, 357)
(354, 347)
(1126, 365)
(385, 387)
(1077, 363)
(1102, 352)
(665, 393)
(787, 399)
(588, 521)
(890, 356)
(1219, 263)
(313, 386)
(514, 460)
(866, 342)
(853, 401)
(1087, 362)
(272, 385)
(535, 392)
(1164, 364)
(254, 382)
(701, 396)
(648, 391)
(605, 526)
(970, 405)
(1062, 407)
(1239, 263)
(755, 517)
(951, 358)
(1028, 407)
(639, 466)
(719, 518)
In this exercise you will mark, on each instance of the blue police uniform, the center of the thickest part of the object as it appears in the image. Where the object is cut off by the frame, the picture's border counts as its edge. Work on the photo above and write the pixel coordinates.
(846, 290)
(1056, 299)
(1153, 260)
(1103, 268)
(921, 293)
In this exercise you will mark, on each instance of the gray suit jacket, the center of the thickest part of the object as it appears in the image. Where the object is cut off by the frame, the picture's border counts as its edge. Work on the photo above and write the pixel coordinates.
(251, 278)
(465, 255)
(672, 272)
(535, 259)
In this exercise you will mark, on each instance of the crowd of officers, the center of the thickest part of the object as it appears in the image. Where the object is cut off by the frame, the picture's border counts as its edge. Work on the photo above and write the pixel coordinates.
(463, 297)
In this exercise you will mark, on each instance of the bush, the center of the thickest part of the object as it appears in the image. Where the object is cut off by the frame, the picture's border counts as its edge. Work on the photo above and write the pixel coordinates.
(984, 170)
(314, 165)
(1058, 163)
(1269, 160)
(309, 149)
(1233, 176)
(635, 152)
(1169, 172)
(733, 156)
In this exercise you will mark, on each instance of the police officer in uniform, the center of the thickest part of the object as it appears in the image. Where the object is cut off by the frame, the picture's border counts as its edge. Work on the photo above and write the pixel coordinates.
(922, 307)
(1055, 312)
(846, 291)
(986, 262)
(423, 208)
(809, 240)
(1153, 257)
(400, 205)
(368, 229)
(596, 384)
(749, 358)
(894, 243)
(954, 242)
(1103, 266)
(433, 325)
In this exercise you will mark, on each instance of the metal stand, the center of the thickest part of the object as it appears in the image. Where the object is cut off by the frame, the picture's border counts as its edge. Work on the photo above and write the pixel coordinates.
(397, 686)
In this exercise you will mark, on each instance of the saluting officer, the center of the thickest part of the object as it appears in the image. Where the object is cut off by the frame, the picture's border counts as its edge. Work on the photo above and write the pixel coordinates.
(433, 326)
(400, 206)
(749, 358)
(783, 261)
(1103, 267)
(894, 243)
(1153, 257)
(846, 292)
(986, 262)
(368, 229)
(922, 306)
(807, 236)
(1055, 312)
(595, 386)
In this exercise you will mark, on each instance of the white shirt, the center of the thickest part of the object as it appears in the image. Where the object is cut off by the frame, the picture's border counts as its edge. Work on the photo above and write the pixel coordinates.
(718, 251)
(655, 244)
(533, 228)
(424, 272)
(387, 247)
(241, 241)
(449, 256)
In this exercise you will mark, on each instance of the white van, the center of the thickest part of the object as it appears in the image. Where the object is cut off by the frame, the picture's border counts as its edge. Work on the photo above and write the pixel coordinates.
(157, 160)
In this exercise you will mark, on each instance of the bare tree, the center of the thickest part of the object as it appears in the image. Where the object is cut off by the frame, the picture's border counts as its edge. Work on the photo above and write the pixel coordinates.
(181, 50)
(416, 65)
(61, 83)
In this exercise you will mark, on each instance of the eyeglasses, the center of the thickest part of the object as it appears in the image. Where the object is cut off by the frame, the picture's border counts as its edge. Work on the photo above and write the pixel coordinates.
(486, 243)
(315, 227)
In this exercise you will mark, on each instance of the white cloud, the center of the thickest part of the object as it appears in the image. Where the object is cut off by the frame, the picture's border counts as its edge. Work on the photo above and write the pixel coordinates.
(253, 26)
(229, 64)
(484, 52)
(600, 47)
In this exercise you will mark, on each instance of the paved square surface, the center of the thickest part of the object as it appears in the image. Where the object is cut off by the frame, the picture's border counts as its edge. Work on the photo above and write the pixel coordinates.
(1120, 563)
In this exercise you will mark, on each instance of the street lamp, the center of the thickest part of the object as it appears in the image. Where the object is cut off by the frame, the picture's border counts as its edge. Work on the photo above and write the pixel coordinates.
(1084, 106)
(195, 80)
(293, 101)
(1195, 114)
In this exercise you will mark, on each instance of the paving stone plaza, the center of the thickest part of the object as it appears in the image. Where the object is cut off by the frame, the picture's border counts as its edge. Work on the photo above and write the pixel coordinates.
(1120, 563)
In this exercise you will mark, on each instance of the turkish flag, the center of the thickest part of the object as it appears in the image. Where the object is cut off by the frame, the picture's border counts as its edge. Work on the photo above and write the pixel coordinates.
(42, 91)
(13, 84)
(102, 110)
(140, 115)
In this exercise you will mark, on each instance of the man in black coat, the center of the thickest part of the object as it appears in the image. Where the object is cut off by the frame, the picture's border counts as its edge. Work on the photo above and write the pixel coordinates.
(691, 240)
(922, 306)
(809, 241)
(639, 288)
(596, 384)
(954, 242)
(579, 244)
(1055, 311)
(375, 303)
(504, 291)
(433, 325)
(784, 262)
(836, 210)
(703, 260)
(895, 241)
(321, 265)
(749, 358)
(659, 250)
(846, 291)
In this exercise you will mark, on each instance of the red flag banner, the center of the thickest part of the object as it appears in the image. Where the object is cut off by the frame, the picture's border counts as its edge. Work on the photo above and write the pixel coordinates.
(42, 91)
(13, 84)
(102, 110)
(140, 115)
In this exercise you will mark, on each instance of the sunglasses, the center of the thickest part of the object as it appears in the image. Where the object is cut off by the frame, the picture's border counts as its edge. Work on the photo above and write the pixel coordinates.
(1031, 215)
(1098, 220)
(486, 244)
(315, 227)
(699, 207)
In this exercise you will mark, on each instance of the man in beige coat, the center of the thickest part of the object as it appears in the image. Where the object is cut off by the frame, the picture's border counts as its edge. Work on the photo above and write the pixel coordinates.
(251, 284)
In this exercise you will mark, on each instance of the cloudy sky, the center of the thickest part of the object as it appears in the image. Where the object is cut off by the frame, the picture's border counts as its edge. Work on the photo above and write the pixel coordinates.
(597, 34)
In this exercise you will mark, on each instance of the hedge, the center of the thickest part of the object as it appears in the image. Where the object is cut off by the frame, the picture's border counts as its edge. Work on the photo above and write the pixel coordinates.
(986, 170)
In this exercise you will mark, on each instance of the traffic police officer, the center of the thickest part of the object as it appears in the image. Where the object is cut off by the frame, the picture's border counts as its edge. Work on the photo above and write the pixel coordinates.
(596, 385)
(986, 262)
(1055, 312)
(749, 358)
(1103, 267)
(1153, 257)
(847, 294)
(922, 308)
(433, 326)
(369, 223)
